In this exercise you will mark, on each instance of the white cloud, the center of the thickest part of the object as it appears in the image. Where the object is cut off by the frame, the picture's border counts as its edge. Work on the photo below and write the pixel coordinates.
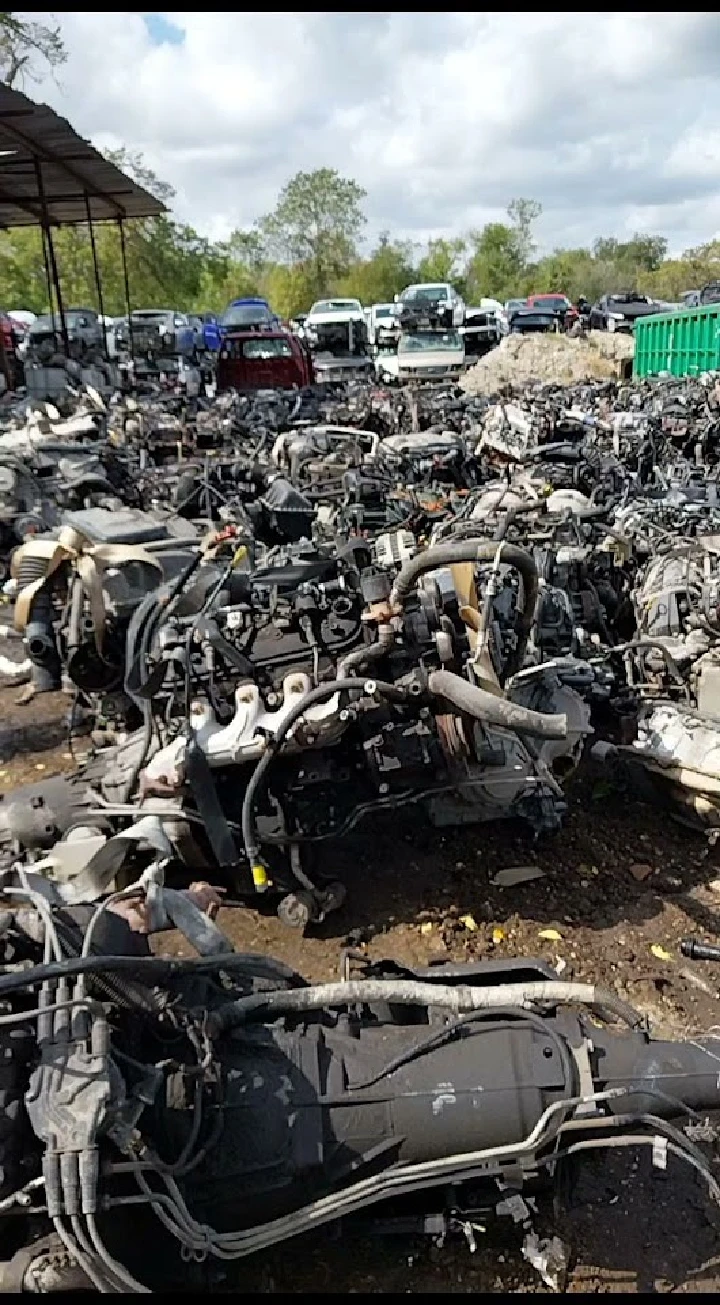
(611, 120)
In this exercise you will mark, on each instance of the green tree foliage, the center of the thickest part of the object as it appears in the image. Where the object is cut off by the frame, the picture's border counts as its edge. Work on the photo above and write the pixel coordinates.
(444, 260)
(27, 48)
(316, 223)
(309, 247)
(388, 269)
(496, 267)
(522, 213)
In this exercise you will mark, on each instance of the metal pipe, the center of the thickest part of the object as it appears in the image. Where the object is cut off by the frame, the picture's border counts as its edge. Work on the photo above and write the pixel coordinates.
(126, 282)
(96, 269)
(53, 260)
(48, 278)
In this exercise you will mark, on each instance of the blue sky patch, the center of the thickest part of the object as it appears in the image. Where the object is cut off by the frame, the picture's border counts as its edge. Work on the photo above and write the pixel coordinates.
(161, 32)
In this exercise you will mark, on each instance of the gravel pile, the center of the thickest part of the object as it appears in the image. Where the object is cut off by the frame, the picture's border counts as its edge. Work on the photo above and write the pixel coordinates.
(549, 358)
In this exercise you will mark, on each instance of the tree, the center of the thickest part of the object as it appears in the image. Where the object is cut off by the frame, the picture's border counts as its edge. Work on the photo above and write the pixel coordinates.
(522, 214)
(375, 280)
(247, 248)
(25, 47)
(442, 261)
(496, 267)
(317, 222)
(568, 271)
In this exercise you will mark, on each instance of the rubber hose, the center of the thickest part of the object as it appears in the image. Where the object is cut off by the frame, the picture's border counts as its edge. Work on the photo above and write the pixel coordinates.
(31, 569)
(368, 652)
(476, 550)
(493, 710)
(411, 992)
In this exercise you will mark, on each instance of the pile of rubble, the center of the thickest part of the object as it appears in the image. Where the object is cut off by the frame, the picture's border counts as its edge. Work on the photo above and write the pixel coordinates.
(168, 555)
(278, 614)
(549, 358)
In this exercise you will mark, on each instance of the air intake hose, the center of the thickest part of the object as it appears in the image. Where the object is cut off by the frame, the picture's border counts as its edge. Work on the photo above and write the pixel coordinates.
(493, 710)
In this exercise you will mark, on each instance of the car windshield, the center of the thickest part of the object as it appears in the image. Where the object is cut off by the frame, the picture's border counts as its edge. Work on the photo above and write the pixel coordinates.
(385, 311)
(628, 301)
(426, 294)
(549, 301)
(512, 304)
(336, 306)
(444, 340)
(246, 315)
(265, 348)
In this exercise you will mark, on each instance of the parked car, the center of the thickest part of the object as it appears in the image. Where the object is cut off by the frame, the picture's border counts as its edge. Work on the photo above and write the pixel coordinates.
(429, 304)
(336, 333)
(326, 314)
(22, 320)
(710, 293)
(559, 304)
(690, 298)
(424, 355)
(158, 332)
(533, 317)
(22, 315)
(265, 358)
(383, 329)
(620, 311)
(247, 312)
(481, 332)
(83, 328)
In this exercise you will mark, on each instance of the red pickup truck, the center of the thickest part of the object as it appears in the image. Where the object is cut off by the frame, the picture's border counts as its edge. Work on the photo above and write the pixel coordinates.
(262, 359)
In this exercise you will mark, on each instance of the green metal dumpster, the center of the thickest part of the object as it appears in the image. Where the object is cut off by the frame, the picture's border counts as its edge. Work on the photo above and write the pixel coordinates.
(681, 344)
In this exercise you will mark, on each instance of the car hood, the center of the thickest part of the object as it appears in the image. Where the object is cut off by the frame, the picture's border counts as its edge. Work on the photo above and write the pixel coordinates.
(429, 359)
(632, 311)
(325, 319)
(526, 313)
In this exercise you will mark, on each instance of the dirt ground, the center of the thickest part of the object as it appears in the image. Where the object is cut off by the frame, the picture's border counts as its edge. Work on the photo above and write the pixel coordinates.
(621, 878)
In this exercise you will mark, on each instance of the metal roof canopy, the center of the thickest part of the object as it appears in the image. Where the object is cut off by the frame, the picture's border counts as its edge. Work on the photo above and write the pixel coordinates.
(51, 176)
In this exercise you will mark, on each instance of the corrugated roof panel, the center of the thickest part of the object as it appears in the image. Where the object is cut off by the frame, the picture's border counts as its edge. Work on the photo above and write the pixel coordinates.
(71, 169)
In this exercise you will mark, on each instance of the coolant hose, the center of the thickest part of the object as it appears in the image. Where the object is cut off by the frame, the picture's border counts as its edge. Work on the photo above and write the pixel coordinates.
(494, 710)
(476, 550)
(368, 652)
(411, 992)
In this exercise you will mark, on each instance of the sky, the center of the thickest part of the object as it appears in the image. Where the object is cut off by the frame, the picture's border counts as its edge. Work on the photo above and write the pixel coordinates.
(610, 120)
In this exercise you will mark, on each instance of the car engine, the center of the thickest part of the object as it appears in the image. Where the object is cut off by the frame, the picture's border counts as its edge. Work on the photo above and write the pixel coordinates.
(285, 692)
